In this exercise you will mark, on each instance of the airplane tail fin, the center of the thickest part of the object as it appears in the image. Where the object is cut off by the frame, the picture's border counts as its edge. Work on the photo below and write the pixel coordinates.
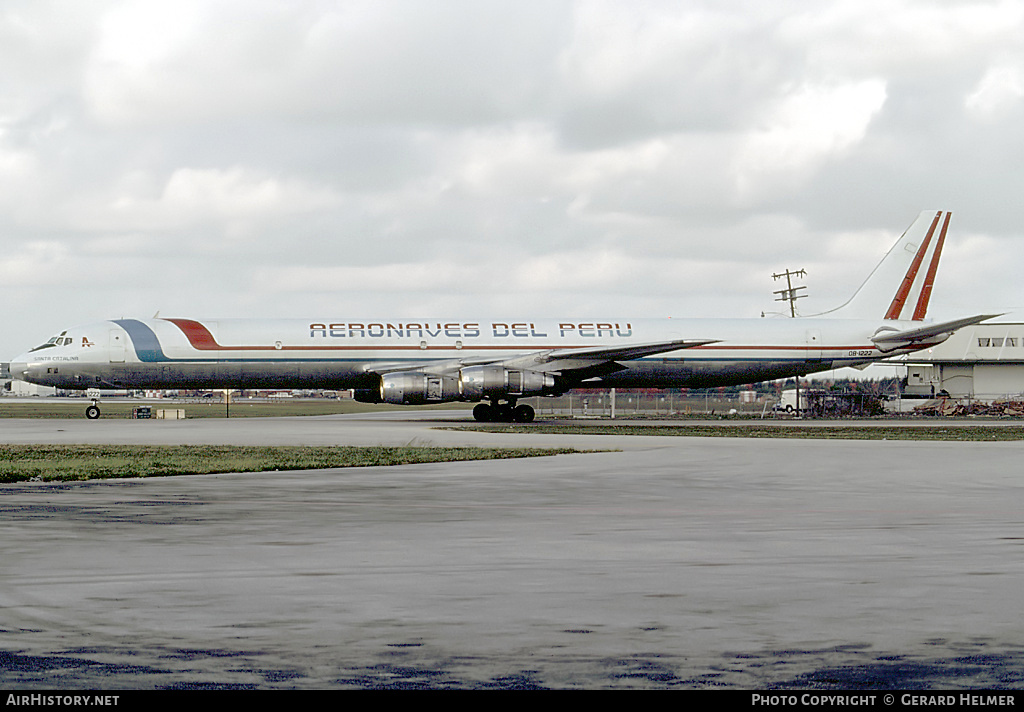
(901, 285)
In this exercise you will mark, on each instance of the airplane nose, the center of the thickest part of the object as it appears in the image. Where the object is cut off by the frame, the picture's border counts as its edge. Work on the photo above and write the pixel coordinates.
(18, 369)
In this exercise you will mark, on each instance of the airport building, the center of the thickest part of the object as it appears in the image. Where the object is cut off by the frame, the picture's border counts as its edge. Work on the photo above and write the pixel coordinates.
(21, 388)
(981, 362)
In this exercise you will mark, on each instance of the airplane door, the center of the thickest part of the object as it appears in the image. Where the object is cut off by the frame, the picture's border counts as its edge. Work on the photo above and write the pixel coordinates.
(116, 345)
(813, 345)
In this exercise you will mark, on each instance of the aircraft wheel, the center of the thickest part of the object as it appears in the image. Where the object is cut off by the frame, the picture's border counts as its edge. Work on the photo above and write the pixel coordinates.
(92, 412)
(523, 414)
(483, 413)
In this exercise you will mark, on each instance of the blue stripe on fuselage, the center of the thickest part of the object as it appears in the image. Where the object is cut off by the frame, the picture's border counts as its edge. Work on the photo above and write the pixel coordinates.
(147, 346)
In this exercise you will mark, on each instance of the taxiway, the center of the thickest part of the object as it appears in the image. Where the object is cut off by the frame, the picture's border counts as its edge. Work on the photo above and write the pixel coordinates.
(672, 562)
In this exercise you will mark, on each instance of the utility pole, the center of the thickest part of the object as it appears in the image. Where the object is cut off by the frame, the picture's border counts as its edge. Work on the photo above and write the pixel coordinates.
(798, 396)
(789, 294)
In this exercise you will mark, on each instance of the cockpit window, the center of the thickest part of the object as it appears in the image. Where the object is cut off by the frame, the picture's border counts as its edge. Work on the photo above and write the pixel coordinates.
(61, 340)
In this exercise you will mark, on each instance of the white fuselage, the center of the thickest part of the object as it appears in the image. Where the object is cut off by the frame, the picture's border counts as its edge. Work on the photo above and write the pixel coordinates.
(249, 353)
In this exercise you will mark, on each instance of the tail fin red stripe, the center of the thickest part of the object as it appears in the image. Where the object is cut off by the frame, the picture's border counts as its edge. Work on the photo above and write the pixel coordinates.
(908, 280)
(933, 266)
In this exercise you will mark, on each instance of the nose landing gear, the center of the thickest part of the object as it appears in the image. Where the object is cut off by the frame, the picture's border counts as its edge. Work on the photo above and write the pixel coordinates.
(93, 411)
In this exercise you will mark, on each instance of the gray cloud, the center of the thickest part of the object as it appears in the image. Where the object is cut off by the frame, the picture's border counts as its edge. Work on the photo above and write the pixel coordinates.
(644, 158)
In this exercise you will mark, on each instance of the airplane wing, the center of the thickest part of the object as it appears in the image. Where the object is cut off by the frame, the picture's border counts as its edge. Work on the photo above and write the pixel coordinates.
(556, 360)
(626, 353)
(591, 358)
(629, 352)
(886, 339)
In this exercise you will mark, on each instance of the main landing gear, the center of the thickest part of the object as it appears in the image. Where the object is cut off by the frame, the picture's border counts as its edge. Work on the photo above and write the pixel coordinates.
(503, 412)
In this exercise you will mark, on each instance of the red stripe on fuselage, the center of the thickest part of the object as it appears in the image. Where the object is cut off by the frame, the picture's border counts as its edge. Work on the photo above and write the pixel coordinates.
(202, 340)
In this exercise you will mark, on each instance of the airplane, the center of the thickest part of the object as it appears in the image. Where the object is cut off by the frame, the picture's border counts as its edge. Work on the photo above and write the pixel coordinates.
(495, 363)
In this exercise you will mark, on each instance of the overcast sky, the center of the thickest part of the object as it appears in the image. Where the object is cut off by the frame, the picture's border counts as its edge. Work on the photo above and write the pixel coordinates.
(335, 160)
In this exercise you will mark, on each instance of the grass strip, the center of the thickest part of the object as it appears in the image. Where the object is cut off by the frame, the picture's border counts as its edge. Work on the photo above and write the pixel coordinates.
(19, 463)
(978, 433)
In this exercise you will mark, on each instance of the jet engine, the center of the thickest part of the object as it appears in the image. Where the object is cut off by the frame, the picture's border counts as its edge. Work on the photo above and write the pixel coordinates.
(474, 383)
(479, 382)
(416, 387)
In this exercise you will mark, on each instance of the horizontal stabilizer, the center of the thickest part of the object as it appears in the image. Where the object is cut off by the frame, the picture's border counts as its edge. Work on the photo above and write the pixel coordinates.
(891, 339)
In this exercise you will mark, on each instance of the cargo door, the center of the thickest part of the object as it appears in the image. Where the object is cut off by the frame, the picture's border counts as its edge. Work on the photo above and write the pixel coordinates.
(116, 345)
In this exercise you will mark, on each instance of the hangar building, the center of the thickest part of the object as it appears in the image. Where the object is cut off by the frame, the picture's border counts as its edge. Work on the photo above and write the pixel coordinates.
(982, 362)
